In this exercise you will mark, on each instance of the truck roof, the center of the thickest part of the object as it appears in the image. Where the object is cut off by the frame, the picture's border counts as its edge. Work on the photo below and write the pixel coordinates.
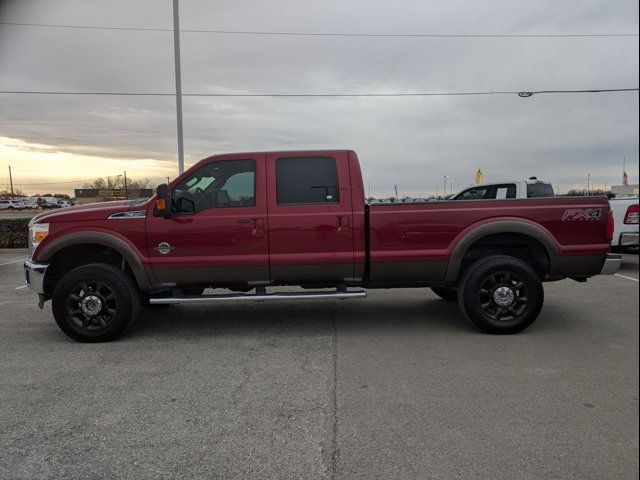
(284, 152)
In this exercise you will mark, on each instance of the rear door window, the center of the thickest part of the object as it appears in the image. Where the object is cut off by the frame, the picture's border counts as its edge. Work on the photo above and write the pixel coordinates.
(307, 181)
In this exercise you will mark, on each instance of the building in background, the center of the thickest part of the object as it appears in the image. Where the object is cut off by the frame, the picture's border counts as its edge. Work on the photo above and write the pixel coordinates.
(94, 195)
(628, 190)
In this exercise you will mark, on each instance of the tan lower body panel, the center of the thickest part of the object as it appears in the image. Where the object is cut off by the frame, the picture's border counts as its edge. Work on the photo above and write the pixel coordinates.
(223, 275)
(406, 272)
(578, 265)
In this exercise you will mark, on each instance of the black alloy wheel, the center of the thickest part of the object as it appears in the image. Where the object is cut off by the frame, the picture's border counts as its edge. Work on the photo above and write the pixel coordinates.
(92, 305)
(95, 302)
(501, 294)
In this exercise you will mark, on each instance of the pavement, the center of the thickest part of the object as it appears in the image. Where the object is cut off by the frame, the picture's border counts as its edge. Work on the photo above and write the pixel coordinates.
(397, 385)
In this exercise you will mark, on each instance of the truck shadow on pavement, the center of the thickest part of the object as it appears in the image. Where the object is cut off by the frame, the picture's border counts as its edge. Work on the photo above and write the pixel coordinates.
(419, 316)
(300, 318)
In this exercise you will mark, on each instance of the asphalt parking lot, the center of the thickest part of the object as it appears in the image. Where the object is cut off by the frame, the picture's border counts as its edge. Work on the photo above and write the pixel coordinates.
(394, 386)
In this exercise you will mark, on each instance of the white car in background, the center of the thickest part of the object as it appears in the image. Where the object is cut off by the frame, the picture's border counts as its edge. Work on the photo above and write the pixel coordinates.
(625, 215)
(529, 188)
(31, 203)
(11, 205)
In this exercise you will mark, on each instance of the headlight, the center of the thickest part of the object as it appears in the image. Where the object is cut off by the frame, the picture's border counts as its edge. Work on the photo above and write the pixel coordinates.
(37, 233)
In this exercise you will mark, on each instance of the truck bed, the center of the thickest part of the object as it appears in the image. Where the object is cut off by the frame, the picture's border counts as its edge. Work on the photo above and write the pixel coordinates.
(418, 241)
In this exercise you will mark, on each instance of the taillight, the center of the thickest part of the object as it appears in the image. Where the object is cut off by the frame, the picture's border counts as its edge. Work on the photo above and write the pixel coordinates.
(610, 226)
(631, 218)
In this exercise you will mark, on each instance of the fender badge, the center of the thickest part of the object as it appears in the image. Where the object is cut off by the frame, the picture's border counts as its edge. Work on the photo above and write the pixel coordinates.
(164, 248)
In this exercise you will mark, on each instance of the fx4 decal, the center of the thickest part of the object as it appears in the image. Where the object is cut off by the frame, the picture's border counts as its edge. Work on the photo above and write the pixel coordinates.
(581, 214)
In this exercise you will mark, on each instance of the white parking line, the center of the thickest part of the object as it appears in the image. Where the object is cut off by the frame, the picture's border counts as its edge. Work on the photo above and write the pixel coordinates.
(15, 261)
(18, 288)
(628, 278)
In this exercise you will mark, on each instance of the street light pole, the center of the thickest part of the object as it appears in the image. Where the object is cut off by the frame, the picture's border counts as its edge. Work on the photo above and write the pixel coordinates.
(176, 51)
(588, 184)
(444, 191)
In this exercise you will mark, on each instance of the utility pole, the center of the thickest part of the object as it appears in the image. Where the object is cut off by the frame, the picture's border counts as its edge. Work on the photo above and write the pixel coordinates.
(11, 181)
(176, 51)
(445, 185)
(126, 191)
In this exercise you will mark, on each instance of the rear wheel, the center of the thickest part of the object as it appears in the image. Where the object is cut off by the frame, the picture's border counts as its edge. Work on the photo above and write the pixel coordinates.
(449, 293)
(501, 294)
(95, 302)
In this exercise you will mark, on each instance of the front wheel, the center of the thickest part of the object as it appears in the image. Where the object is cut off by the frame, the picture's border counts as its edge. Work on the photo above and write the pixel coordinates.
(501, 294)
(95, 302)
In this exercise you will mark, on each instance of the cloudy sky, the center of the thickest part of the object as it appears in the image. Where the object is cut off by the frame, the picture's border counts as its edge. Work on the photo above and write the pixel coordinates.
(410, 141)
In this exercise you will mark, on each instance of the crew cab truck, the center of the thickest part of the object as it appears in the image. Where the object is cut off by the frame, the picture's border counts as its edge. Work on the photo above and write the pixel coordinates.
(249, 221)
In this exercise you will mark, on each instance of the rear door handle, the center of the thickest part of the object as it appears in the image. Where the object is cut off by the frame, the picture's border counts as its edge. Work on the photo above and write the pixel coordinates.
(258, 227)
(342, 223)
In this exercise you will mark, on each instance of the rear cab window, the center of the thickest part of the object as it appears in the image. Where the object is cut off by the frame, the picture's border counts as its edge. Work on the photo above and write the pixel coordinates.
(307, 181)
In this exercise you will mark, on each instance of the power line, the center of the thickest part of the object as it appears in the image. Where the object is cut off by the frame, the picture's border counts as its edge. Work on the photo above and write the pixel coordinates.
(332, 34)
(55, 183)
(523, 94)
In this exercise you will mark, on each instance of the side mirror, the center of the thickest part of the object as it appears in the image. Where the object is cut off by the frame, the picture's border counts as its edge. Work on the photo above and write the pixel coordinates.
(184, 205)
(163, 200)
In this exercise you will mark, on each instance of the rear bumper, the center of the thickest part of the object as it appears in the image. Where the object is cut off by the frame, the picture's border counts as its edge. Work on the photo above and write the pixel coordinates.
(34, 276)
(611, 264)
(629, 239)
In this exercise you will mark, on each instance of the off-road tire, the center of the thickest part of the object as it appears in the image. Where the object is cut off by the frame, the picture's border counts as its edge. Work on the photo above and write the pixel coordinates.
(506, 271)
(122, 298)
(449, 293)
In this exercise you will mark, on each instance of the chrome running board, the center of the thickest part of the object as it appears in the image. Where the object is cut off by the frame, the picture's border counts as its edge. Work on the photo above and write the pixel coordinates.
(267, 297)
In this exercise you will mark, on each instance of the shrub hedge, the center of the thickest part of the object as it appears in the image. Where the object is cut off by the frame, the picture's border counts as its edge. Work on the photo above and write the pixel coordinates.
(14, 232)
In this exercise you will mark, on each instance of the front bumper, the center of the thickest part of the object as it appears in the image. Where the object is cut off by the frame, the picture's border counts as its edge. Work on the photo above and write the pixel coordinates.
(612, 264)
(629, 239)
(34, 276)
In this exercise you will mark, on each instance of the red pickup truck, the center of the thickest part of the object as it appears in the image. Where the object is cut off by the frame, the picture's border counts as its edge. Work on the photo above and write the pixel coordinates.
(254, 220)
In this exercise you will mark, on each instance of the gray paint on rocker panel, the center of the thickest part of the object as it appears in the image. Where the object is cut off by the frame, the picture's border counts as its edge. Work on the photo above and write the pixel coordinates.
(325, 273)
(226, 274)
(99, 238)
(431, 271)
(580, 265)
